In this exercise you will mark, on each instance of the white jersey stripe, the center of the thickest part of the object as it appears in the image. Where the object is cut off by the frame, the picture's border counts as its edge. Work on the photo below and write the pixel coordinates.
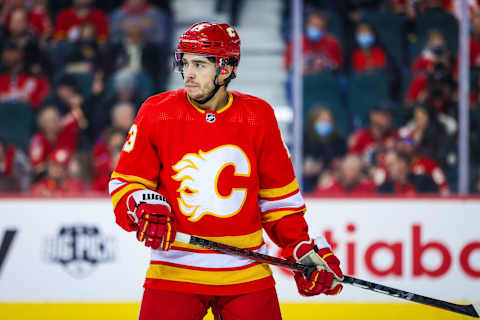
(114, 185)
(295, 201)
(203, 260)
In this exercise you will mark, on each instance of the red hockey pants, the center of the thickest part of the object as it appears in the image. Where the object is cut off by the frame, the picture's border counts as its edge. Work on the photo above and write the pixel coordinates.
(168, 305)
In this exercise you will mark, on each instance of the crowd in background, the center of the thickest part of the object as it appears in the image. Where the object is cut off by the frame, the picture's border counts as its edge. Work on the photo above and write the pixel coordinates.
(381, 95)
(380, 92)
(72, 77)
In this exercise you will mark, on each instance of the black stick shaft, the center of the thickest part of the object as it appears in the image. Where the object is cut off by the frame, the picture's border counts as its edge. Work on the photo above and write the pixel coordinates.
(468, 310)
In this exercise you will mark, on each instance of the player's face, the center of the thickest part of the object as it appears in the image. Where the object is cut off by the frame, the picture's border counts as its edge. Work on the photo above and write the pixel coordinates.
(198, 75)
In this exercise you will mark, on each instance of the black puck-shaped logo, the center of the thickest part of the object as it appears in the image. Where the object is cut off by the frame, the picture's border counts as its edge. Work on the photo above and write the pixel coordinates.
(79, 248)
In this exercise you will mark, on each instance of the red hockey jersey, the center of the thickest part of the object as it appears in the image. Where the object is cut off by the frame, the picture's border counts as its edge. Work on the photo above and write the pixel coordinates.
(226, 175)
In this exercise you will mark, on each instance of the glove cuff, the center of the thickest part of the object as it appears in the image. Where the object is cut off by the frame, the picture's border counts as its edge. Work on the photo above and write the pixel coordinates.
(144, 196)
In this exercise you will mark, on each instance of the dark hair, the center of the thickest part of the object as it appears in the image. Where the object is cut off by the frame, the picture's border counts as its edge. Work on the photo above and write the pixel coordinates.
(316, 13)
(70, 81)
(110, 132)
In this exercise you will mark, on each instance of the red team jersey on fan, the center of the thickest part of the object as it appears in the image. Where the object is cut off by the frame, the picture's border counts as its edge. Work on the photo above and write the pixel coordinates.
(227, 174)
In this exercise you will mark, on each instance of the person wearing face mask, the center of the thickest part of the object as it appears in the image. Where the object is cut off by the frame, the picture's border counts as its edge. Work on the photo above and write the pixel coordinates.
(323, 144)
(367, 56)
(435, 51)
(321, 50)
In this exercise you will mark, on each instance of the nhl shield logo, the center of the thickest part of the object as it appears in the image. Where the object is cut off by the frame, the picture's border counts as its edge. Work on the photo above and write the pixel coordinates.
(210, 117)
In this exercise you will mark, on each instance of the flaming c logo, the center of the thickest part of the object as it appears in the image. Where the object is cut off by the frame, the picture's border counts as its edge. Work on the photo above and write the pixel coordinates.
(199, 172)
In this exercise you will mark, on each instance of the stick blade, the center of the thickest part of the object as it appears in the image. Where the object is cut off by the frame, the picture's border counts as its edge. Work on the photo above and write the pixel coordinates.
(476, 310)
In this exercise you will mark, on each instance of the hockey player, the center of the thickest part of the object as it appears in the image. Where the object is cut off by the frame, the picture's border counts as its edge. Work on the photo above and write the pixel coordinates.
(210, 162)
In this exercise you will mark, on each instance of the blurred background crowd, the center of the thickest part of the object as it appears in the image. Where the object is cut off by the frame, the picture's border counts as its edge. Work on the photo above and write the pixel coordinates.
(381, 96)
(380, 91)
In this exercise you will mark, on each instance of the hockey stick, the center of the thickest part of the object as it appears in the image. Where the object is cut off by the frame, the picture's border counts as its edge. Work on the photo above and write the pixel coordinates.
(469, 310)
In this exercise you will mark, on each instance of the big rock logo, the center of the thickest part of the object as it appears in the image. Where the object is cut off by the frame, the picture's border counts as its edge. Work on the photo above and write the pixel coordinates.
(79, 249)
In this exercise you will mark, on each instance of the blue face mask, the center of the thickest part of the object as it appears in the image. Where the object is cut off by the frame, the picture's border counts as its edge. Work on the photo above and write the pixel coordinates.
(365, 40)
(323, 129)
(314, 34)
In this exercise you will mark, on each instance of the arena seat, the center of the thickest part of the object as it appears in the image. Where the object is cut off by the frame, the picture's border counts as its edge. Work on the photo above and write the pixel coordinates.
(390, 30)
(366, 90)
(323, 89)
(17, 121)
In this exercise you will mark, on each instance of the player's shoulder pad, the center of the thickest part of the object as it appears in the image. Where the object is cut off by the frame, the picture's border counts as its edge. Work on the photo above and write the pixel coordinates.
(160, 103)
(161, 99)
(254, 104)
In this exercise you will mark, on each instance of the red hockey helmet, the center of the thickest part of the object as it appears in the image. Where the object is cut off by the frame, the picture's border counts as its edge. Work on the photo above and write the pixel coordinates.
(218, 40)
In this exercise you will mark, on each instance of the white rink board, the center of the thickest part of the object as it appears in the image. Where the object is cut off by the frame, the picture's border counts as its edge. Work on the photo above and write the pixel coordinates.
(108, 264)
(452, 223)
(28, 275)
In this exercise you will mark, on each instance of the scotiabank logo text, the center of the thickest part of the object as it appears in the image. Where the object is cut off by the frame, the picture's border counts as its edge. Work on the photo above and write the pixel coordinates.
(421, 250)
(414, 254)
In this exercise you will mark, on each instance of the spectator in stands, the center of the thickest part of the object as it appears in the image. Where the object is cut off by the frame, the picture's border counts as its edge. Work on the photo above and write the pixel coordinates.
(378, 135)
(398, 177)
(123, 115)
(440, 94)
(58, 183)
(85, 55)
(427, 175)
(350, 180)
(134, 53)
(105, 157)
(80, 166)
(70, 22)
(436, 87)
(368, 56)
(15, 169)
(39, 19)
(101, 103)
(421, 7)
(15, 83)
(435, 50)
(36, 57)
(153, 21)
(321, 50)
(323, 144)
(67, 98)
(6, 9)
(430, 135)
(54, 132)
(475, 41)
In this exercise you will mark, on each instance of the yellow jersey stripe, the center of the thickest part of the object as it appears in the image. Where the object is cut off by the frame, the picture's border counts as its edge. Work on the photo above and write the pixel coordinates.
(164, 272)
(251, 240)
(229, 103)
(222, 109)
(277, 215)
(279, 192)
(130, 178)
(119, 194)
